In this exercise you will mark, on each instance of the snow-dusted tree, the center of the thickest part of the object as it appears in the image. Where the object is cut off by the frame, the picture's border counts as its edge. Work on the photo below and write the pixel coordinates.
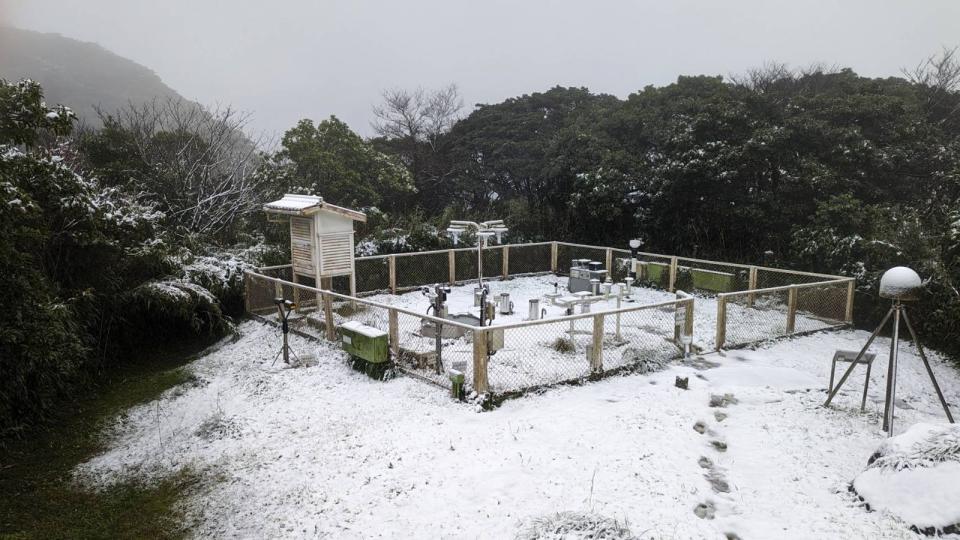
(197, 165)
(417, 116)
(331, 160)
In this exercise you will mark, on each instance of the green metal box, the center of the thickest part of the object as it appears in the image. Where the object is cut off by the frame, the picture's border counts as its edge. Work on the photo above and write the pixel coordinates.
(711, 280)
(364, 342)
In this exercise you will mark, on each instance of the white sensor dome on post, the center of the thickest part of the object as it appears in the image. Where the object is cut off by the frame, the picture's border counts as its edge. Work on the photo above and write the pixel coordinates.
(900, 283)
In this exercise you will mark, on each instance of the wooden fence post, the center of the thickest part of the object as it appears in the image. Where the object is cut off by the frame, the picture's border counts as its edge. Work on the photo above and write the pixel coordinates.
(721, 321)
(328, 318)
(688, 317)
(393, 273)
(609, 262)
(553, 257)
(505, 262)
(394, 332)
(791, 309)
(480, 385)
(673, 274)
(452, 266)
(751, 285)
(851, 289)
(596, 356)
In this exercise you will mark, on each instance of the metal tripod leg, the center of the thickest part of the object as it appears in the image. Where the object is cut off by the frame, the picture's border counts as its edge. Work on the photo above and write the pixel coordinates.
(275, 357)
(866, 387)
(891, 402)
(926, 364)
(853, 364)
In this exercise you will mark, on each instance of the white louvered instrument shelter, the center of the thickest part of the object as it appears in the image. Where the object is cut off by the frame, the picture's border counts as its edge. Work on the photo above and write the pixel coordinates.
(321, 236)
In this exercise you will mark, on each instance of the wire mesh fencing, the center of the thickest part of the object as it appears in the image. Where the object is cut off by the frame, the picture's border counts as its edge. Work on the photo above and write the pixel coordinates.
(465, 265)
(762, 314)
(773, 277)
(493, 262)
(544, 353)
(566, 253)
(537, 355)
(752, 317)
(420, 269)
(821, 306)
(529, 259)
(642, 340)
(372, 274)
(264, 297)
(418, 351)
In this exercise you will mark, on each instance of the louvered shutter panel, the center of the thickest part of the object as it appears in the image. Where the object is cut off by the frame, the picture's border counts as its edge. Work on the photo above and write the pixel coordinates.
(336, 253)
(301, 246)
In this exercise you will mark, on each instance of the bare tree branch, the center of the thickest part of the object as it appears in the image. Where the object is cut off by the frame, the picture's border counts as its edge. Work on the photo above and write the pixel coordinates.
(202, 162)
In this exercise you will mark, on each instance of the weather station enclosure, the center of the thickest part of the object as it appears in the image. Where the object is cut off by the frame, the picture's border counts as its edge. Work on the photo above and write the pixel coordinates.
(321, 237)
(546, 313)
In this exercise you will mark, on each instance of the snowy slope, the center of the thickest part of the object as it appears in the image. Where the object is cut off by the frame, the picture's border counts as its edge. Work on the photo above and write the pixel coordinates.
(324, 451)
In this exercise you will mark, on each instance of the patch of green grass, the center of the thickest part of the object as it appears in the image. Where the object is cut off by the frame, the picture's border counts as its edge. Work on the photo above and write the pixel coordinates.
(39, 497)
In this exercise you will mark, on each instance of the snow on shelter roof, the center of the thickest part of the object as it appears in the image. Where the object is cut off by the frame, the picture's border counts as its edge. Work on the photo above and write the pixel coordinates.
(307, 205)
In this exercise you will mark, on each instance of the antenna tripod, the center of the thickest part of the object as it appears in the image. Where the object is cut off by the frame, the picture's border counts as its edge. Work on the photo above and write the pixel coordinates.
(897, 310)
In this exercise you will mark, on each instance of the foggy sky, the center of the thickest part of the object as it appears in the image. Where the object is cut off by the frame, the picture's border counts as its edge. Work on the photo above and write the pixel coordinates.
(291, 59)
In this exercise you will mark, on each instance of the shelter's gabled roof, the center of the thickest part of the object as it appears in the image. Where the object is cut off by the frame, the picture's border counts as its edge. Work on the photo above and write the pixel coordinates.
(293, 204)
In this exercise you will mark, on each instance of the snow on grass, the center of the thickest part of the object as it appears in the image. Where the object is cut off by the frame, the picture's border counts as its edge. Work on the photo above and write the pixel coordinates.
(325, 451)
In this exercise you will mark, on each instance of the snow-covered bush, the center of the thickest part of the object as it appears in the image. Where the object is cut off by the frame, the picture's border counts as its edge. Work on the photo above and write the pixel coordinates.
(916, 477)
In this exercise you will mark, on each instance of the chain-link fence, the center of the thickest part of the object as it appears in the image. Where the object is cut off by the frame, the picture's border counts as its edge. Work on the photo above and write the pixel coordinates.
(761, 314)
(512, 358)
(773, 277)
(645, 339)
(536, 354)
(372, 274)
(263, 293)
(419, 269)
(566, 253)
(405, 271)
(752, 304)
(821, 306)
(752, 317)
(529, 259)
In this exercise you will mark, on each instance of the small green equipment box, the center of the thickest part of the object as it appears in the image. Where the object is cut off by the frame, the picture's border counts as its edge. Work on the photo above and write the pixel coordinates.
(366, 342)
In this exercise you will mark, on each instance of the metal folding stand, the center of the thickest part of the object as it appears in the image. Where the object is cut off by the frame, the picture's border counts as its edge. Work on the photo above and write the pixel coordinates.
(851, 356)
(897, 310)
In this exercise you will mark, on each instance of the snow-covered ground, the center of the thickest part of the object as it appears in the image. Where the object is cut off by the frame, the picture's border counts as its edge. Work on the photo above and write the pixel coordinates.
(324, 451)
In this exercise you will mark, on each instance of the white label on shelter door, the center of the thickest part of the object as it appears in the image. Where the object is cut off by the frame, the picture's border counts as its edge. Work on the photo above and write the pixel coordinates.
(347, 340)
